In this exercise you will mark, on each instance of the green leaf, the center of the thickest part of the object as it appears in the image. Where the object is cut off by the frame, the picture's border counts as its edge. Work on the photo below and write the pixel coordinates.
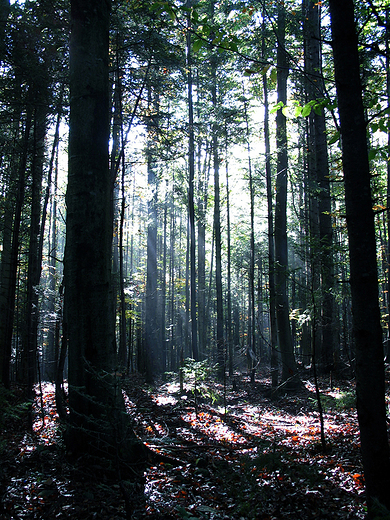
(335, 137)
(372, 154)
(276, 107)
(233, 46)
(374, 127)
(298, 110)
(306, 110)
(265, 70)
(172, 14)
(197, 45)
(285, 111)
(383, 125)
(318, 109)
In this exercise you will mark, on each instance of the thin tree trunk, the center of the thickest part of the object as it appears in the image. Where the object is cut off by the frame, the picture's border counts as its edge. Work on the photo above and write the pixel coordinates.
(217, 228)
(229, 317)
(251, 314)
(203, 318)
(164, 284)
(30, 340)
(52, 350)
(289, 370)
(387, 353)
(153, 352)
(191, 206)
(271, 249)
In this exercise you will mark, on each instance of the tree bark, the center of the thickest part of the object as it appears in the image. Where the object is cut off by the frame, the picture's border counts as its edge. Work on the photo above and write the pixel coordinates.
(322, 236)
(9, 263)
(4, 12)
(271, 245)
(97, 423)
(370, 378)
(217, 228)
(152, 327)
(30, 341)
(251, 278)
(191, 206)
(281, 254)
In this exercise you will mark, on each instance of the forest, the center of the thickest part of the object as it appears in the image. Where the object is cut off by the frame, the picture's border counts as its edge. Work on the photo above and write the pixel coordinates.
(194, 259)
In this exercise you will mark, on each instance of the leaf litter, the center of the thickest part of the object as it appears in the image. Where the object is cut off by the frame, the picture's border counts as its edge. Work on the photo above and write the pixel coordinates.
(240, 455)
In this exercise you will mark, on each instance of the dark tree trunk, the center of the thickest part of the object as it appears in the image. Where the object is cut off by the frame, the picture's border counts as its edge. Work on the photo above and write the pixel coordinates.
(152, 326)
(229, 317)
(30, 343)
(191, 206)
(271, 248)
(97, 420)
(281, 255)
(164, 285)
(387, 353)
(4, 12)
(204, 174)
(52, 352)
(370, 380)
(322, 238)
(251, 314)
(9, 263)
(217, 229)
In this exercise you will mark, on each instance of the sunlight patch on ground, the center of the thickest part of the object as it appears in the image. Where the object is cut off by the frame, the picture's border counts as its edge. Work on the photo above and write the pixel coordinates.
(45, 416)
(162, 400)
(213, 427)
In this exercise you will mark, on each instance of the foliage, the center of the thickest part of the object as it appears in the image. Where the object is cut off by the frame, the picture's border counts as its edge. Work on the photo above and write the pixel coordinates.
(345, 400)
(12, 409)
(199, 375)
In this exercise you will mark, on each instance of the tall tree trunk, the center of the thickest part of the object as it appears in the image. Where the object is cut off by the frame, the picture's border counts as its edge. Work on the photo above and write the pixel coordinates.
(9, 263)
(51, 188)
(30, 340)
(164, 284)
(251, 278)
(204, 175)
(4, 12)
(271, 249)
(98, 424)
(172, 314)
(387, 353)
(370, 377)
(229, 317)
(289, 370)
(153, 352)
(323, 236)
(217, 226)
(191, 206)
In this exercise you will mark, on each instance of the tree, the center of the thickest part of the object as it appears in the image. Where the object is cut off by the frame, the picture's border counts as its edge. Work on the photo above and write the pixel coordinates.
(281, 254)
(191, 206)
(152, 326)
(4, 12)
(319, 192)
(370, 379)
(271, 245)
(96, 422)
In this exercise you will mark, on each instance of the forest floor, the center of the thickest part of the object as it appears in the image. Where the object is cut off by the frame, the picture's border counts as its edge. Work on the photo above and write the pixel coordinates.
(228, 454)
